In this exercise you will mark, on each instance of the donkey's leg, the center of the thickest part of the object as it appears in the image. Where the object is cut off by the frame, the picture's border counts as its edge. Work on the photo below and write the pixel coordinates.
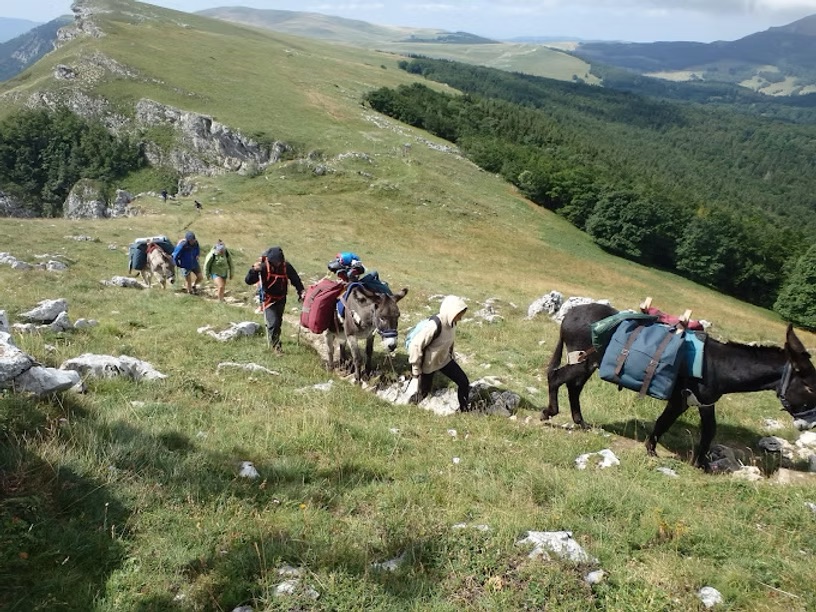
(674, 408)
(369, 354)
(329, 351)
(708, 428)
(574, 388)
(357, 358)
(145, 276)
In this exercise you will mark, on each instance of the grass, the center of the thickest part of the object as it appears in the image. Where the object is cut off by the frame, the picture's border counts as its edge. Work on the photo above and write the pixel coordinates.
(128, 497)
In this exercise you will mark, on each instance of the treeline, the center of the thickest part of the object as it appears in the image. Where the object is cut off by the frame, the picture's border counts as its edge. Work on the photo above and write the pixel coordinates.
(719, 197)
(44, 153)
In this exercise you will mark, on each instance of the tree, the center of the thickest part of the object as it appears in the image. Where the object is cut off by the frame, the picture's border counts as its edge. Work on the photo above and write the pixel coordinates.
(797, 299)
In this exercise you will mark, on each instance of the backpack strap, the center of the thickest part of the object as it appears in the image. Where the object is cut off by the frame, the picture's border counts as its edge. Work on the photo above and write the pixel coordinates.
(650, 369)
(624, 354)
(438, 331)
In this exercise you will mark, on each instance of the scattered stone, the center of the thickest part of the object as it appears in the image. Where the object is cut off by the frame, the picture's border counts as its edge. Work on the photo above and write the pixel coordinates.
(811, 506)
(667, 471)
(549, 304)
(710, 596)
(44, 381)
(292, 586)
(123, 281)
(488, 312)
(46, 311)
(481, 527)
(571, 303)
(61, 323)
(55, 266)
(235, 330)
(83, 238)
(596, 577)
(4, 322)
(326, 386)
(723, 459)
(288, 570)
(85, 323)
(751, 473)
(608, 459)
(390, 565)
(13, 361)
(248, 470)
(249, 367)
(560, 543)
(772, 424)
(804, 424)
(243, 609)
(107, 366)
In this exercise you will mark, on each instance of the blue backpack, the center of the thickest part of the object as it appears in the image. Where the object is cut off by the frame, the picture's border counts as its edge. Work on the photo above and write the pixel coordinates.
(422, 325)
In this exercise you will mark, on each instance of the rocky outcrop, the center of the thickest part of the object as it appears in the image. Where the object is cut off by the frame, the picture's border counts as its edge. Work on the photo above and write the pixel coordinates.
(20, 372)
(83, 24)
(86, 201)
(205, 146)
(12, 207)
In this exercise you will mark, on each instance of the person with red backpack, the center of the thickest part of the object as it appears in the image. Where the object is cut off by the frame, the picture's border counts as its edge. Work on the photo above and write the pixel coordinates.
(273, 273)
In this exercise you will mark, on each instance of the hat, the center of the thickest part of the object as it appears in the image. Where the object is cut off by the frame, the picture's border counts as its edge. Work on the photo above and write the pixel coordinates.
(189, 236)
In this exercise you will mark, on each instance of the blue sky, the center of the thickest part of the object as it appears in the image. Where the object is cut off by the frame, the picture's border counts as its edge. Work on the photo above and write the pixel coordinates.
(633, 20)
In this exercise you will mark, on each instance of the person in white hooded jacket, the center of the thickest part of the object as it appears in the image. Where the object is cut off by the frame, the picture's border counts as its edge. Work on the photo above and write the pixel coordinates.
(431, 351)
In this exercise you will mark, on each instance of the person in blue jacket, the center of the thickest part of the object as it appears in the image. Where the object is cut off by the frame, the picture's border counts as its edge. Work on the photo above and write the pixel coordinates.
(185, 256)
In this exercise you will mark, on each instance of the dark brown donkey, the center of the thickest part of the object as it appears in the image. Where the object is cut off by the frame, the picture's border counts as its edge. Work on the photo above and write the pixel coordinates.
(728, 367)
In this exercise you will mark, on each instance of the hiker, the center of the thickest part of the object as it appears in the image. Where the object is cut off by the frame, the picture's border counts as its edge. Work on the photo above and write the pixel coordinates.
(185, 256)
(164, 195)
(431, 350)
(218, 267)
(347, 266)
(274, 273)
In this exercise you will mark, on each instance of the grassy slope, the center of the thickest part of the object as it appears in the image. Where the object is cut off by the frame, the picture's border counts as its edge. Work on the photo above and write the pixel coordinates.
(533, 59)
(128, 506)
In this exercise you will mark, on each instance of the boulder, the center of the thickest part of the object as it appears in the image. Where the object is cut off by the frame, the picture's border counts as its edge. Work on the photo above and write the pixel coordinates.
(85, 201)
(43, 381)
(107, 366)
(46, 311)
(13, 361)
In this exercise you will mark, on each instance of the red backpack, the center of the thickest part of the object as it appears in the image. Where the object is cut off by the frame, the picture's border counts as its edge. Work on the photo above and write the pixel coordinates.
(319, 305)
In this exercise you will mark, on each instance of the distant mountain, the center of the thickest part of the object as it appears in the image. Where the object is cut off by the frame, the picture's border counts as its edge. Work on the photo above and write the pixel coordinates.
(11, 28)
(778, 61)
(324, 27)
(19, 53)
(536, 59)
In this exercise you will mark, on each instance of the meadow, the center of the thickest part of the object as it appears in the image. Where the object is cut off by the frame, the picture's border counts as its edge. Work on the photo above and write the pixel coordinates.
(128, 497)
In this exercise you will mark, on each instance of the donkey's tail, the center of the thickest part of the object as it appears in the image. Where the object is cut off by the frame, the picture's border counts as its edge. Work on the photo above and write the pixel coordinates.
(555, 360)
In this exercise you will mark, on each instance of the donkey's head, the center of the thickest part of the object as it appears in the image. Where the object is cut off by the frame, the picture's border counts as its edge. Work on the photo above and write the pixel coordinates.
(797, 390)
(162, 264)
(386, 317)
(374, 312)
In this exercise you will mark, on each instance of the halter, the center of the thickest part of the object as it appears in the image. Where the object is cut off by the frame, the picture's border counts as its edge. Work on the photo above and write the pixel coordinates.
(787, 374)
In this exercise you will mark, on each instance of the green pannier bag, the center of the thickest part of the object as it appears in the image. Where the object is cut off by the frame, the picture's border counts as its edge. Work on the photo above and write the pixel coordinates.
(602, 330)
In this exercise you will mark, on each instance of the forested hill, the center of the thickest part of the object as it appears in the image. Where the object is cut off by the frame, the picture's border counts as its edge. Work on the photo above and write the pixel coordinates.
(724, 198)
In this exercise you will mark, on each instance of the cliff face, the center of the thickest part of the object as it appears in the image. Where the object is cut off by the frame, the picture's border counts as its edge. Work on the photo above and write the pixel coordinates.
(21, 52)
(173, 138)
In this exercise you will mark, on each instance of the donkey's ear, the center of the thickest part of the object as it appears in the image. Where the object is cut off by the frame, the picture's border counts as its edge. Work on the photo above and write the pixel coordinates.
(793, 344)
(797, 354)
(401, 294)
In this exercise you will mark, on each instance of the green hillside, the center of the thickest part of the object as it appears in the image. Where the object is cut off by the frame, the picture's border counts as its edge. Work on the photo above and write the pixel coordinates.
(127, 497)
(539, 60)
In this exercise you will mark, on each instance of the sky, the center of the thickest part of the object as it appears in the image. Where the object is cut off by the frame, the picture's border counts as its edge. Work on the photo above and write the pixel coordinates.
(630, 20)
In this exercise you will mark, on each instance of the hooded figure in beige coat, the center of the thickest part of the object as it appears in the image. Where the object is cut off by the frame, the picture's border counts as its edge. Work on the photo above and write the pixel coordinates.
(431, 351)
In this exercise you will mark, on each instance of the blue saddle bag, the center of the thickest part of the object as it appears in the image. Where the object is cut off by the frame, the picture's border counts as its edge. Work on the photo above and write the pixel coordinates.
(644, 356)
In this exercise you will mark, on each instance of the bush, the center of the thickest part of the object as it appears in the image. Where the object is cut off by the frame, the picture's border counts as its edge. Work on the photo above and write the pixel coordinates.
(797, 299)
